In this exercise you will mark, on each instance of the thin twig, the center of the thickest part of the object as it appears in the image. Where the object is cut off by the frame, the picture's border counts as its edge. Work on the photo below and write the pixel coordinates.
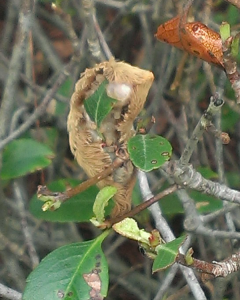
(9, 293)
(168, 236)
(64, 196)
(9, 24)
(16, 250)
(212, 216)
(93, 42)
(230, 66)
(44, 43)
(220, 168)
(142, 206)
(217, 269)
(7, 104)
(33, 86)
(102, 40)
(18, 191)
(204, 122)
(40, 110)
(166, 282)
(234, 2)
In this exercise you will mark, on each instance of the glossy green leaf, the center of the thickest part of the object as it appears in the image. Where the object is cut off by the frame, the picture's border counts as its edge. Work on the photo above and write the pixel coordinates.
(24, 156)
(99, 104)
(72, 272)
(167, 254)
(77, 209)
(149, 152)
(101, 201)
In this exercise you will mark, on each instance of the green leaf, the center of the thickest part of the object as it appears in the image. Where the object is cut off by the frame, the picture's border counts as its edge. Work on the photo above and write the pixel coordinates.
(232, 15)
(171, 205)
(102, 199)
(167, 254)
(99, 104)
(205, 203)
(149, 152)
(229, 118)
(128, 227)
(189, 257)
(77, 209)
(66, 88)
(72, 272)
(207, 172)
(225, 31)
(24, 156)
(233, 178)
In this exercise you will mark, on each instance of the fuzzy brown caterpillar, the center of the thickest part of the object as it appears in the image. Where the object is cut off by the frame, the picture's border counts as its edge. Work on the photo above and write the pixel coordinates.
(93, 151)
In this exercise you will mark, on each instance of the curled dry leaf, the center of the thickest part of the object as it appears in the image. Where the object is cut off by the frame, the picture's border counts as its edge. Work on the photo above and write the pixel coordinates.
(95, 149)
(195, 38)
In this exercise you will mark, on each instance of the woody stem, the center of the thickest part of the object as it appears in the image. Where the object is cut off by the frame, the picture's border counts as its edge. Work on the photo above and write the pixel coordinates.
(62, 197)
(142, 206)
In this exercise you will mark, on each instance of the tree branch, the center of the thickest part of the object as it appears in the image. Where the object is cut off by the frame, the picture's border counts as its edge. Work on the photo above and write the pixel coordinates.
(230, 66)
(188, 177)
(216, 269)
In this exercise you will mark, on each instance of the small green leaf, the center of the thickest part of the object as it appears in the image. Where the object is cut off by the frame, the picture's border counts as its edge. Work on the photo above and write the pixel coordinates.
(129, 228)
(72, 272)
(167, 254)
(225, 31)
(51, 205)
(102, 199)
(99, 104)
(188, 257)
(149, 152)
(24, 156)
(76, 209)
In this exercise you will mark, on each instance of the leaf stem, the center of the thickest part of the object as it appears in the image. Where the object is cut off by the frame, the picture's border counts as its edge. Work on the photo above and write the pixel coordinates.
(43, 191)
(142, 206)
(205, 121)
